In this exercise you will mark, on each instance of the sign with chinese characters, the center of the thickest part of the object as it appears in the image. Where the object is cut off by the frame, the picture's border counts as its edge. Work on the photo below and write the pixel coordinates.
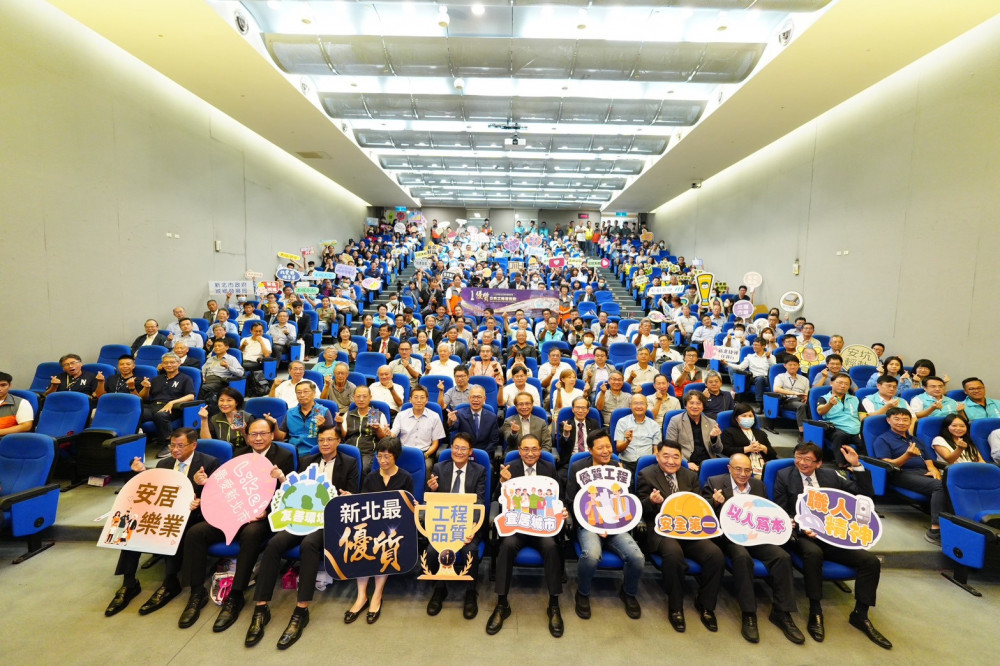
(604, 504)
(448, 520)
(752, 280)
(506, 301)
(855, 355)
(323, 275)
(308, 250)
(665, 289)
(253, 275)
(839, 518)
(721, 353)
(370, 534)
(307, 290)
(372, 284)
(267, 287)
(289, 256)
(150, 513)
(230, 287)
(399, 227)
(656, 317)
(344, 270)
(743, 309)
(530, 505)
(287, 275)
(512, 245)
(685, 515)
(238, 492)
(753, 521)
(640, 281)
(791, 301)
(646, 236)
(298, 504)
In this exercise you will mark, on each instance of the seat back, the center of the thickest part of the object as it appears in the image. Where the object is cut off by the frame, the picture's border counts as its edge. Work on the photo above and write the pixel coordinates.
(198, 355)
(973, 488)
(860, 374)
(150, 355)
(412, 460)
(928, 428)
(712, 467)
(513, 455)
(404, 383)
(620, 352)
(980, 431)
(291, 449)
(771, 470)
(724, 419)
(481, 457)
(490, 385)
(368, 363)
(118, 412)
(110, 354)
(815, 394)
(217, 449)
(276, 407)
(430, 382)
(194, 374)
(872, 427)
(329, 404)
(25, 462)
(32, 399)
(44, 372)
(64, 413)
(315, 377)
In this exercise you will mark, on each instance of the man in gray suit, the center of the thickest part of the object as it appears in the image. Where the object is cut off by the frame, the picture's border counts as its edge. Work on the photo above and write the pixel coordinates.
(719, 490)
(459, 475)
(525, 423)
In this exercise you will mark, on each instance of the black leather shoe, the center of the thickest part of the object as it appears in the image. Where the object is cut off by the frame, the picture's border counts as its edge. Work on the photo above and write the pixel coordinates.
(470, 608)
(350, 616)
(869, 630)
(555, 621)
(707, 618)
(158, 600)
(632, 608)
(231, 608)
(815, 627)
(123, 596)
(261, 616)
(437, 599)
(677, 621)
(374, 615)
(192, 611)
(298, 622)
(499, 614)
(582, 606)
(784, 621)
(749, 630)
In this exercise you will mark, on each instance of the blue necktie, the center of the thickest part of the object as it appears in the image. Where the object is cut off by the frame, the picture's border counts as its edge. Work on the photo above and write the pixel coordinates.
(476, 417)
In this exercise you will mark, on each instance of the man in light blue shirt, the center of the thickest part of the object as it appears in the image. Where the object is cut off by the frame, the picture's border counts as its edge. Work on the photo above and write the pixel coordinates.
(636, 434)
(977, 405)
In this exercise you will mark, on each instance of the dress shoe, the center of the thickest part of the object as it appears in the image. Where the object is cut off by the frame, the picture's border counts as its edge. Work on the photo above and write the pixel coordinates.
(632, 608)
(499, 614)
(933, 536)
(373, 615)
(158, 600)
(350, 616)
(784, 621)
(298, 622)
(261, 616)
(677, 621)
(555, 621)
(192, 611)
(815, 627)
(749, 630)
(707, 618)
(470, 608)
(231, 608)
(869, 630)
(437, 599)
(582, 606)
(123, 596)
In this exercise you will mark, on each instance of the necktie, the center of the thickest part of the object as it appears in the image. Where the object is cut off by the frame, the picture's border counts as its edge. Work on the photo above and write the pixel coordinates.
(385, 345)
(671, 484)
(457, 486)
(529, 471)
(581, 443)
(809, 482)
(182, 468)
(476, 418)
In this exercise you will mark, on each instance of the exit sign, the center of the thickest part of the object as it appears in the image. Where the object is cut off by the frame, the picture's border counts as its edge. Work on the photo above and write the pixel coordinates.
(621, 213)
(583, 216)
(400, 209)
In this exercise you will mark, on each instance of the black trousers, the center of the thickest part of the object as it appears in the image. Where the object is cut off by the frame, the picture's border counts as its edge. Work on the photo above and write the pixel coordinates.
(251, 538)
(461, 558)
(839, 438)
(779, 565)
(128, 565)
(814, 552)
(311, 548)
(705, 553)
(511, 545)
(163, 420)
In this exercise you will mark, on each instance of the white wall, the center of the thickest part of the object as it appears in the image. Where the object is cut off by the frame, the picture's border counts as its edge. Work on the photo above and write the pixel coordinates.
(101, 157)
(904, 178)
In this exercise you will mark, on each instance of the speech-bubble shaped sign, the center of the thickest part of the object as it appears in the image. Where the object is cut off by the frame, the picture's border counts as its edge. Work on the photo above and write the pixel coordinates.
(685, 515)
(238, 492)
(604, 504)
(530, 505)
(743, 309)
(253, 275)
(288, 275)
(839, 518)
(371, 284)
(344, 270)
(791, 301)
(752, 280)
(753, 521)
(656, 317)
(855, 355)
(298, 504)
(399, 227)
(289, 256)
(323, 275)
(150, 513)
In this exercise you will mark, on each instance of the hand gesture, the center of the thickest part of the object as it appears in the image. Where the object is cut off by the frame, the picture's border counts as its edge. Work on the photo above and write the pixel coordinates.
(327, 379)
(137, 465)
(452, 417)
(850, 455)
(604, 387)
(195, 503)
(960, 407)
(938, 404)
(100, 377)
(718, 496)
(824, 372)
(320, 420)
(504, 473)
(913, 449)
(834, 400)
(54, 380)
(715, 431)
(432, 482)
(628, 436)
(145, 382)
(270, 419)
(200, 477)
(339, 418)
(567, 428)
(224, 363)
(170, 336)
(276, 472)
(440, 385)
(130, 382)
(656, 497)
(203, 412)
(515, 426)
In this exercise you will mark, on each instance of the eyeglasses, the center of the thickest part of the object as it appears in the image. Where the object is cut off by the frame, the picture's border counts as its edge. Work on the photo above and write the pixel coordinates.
(257, 435)
(741, 470)
(460, 449)
(178, 447)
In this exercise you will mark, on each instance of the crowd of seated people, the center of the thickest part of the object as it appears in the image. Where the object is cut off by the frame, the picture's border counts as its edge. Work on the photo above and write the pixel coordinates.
(557, 381)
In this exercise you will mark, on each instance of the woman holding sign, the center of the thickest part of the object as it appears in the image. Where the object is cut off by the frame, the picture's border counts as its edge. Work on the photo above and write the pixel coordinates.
(388, 476)
(229, 423)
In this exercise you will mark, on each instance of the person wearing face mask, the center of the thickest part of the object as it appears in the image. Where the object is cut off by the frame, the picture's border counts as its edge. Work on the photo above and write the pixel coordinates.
(745, 437)
(736, 337)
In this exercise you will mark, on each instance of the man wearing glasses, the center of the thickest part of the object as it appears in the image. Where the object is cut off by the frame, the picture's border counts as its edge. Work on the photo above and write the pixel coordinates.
(530, 463)
(251, 538)
(718, 491)
(197, 466)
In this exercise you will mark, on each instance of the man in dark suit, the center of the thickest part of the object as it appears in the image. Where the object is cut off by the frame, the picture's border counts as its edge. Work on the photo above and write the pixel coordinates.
(303, 326)
(197, 466)
(368, 331)
(459, 475)
(152, 334)
(592, 543)
(573, 432)
(457, 345)
(341, 470)
(433, 331)
(477, 421)
(384, 344)
(788, 485)
(528, 464)
(251, 537)
(718, 491)
(525, 423)
(656, 483)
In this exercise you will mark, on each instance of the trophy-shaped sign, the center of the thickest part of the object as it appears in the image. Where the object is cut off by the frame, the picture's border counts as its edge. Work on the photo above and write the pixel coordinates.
(447, 520)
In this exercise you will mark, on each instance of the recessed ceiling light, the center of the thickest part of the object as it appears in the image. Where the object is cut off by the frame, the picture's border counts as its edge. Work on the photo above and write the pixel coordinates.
(478, 9)
(274, 4)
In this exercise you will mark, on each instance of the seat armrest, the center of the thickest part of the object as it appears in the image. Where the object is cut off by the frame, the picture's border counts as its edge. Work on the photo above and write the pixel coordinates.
(878, 462)
(987, 531)
(10, 500)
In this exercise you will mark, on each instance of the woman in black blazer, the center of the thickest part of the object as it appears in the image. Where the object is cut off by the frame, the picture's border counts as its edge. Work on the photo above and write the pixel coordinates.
(745, 436)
